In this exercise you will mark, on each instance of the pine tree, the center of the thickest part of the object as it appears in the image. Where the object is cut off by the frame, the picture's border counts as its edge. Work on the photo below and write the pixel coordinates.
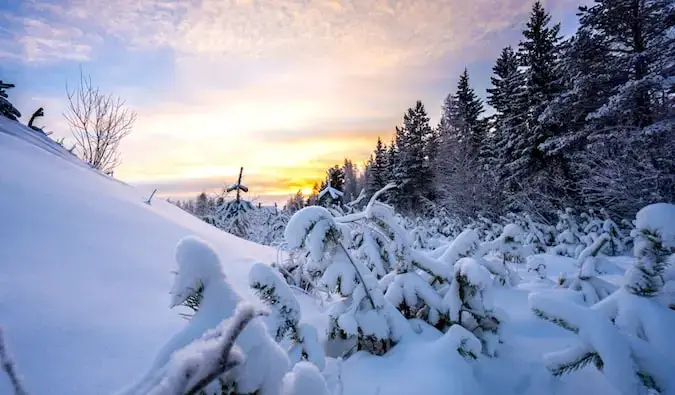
(336, 176)
(460, 179)
(6, 108)
(507, 99)
(413, 173)
(350, 185)
(528, 169)
(271, 288)
(377, 169)
(637, 114)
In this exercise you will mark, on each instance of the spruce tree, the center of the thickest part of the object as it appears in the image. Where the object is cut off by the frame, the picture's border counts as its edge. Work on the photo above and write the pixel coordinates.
(460, 179)
(6, 108)
(637, 113)
(350, 184)
(412, 171)
(377, 169)
(528, 170)
(507, 99)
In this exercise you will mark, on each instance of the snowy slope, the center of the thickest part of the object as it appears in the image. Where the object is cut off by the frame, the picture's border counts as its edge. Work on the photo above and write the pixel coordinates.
(85, 268)
(85, 272)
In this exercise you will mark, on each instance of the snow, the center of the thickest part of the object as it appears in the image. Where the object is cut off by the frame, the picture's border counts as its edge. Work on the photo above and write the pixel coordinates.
(660, 218)
(305, 379)
(86, 268)
(87, 279)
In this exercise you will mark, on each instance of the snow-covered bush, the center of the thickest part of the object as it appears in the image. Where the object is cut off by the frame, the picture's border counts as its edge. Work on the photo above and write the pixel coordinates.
(625, 336)
(264, 361)
(304, 379)
(6, 108)
(654, 242)
(470, 304)
(364, 314)
(464, 245)
(628, 334)
(569, 239)
(587, 281)
(285, 316)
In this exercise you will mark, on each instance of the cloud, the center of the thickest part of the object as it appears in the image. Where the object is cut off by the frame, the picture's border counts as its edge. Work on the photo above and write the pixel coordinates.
(285, 88)
(34, 39)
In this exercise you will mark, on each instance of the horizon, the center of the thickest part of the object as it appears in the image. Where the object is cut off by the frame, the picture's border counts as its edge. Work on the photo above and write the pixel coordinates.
(283, 89)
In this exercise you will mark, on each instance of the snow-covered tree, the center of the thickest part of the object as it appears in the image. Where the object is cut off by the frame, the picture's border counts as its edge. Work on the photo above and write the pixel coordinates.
(587, 281)
(509, 248)
(470, 305)
(627, 335)
(264, 362)
(412, 170)
(654, 242)
(568, 241)
(304, 379)
(364, 315)
(377, 173)
(6, 108)
(285, 318)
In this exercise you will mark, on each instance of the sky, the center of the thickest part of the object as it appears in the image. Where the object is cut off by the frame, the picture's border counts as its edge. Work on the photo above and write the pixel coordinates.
(284, 88)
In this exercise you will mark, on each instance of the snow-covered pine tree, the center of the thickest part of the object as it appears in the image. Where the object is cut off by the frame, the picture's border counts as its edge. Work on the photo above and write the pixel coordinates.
(635, 112)
(568, 241)
(350, 188)
(469, 304)
(593, 288)
(273, 290)
(529, 172)
(364, 316)
(233, 216)
(627, 335)
(461, 185)
(654, 242)
(412, 171)
(509, 249)
(506, 98)
(7, 109)
(377, 169)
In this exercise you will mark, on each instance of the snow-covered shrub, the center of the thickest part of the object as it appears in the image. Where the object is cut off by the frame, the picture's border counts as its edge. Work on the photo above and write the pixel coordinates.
(625, 336)
(6, 108)
(628, 334)
(464, 245)
(285, 316)
(264, 362)
(509, 245)
(470, 305)
(654, 242)
(233, 218)
(569, 239)
(304, 379)
(364, 314)
(617, 240)
(196, 366)
(587, 281)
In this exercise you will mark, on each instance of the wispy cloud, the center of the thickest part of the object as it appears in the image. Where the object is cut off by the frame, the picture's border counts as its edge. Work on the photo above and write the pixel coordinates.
(283, 87)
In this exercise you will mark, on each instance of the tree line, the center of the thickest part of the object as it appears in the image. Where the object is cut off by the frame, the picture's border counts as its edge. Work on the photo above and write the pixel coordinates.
(587, 121)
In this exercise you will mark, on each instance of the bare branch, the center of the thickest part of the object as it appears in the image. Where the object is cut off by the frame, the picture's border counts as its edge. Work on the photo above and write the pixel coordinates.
(98, 123)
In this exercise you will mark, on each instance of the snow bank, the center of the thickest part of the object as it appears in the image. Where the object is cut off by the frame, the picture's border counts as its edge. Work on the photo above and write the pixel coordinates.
(85, 268)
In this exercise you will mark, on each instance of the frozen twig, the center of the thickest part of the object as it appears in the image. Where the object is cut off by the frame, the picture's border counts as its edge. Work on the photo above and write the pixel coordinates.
(9, 367)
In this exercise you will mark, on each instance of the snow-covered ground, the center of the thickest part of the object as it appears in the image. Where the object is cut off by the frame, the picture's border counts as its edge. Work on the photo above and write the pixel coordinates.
(86, 269)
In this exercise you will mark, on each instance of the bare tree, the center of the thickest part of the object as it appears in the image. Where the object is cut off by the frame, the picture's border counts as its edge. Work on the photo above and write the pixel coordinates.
(98, 123)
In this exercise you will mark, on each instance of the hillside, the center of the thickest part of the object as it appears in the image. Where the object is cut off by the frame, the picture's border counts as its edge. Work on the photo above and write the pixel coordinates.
(85, 268)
